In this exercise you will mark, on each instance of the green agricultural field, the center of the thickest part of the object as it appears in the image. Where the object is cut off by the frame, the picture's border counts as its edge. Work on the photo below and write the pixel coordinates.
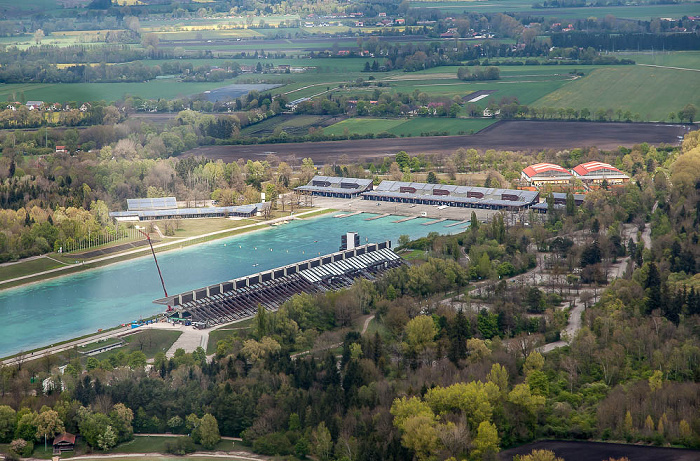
(411, 127)
(648, 91)
(363, 126)
(452, 126)
(526, 83)
(62, 92)
(292, 124)
(205, 34)
(685, 59)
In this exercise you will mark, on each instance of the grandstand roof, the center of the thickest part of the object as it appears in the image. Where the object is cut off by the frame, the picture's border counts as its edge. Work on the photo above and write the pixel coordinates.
(545, 169)
(354, 264)
(595, 167)
(160, 203)
(241, 297)
(455, 193)
(336, 184)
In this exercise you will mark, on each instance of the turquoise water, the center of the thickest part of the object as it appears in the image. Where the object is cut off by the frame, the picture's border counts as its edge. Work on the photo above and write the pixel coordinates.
(66, 307)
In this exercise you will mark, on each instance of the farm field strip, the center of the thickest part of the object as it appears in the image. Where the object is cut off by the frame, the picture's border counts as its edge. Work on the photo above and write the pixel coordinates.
(646, 12)
(408, 127)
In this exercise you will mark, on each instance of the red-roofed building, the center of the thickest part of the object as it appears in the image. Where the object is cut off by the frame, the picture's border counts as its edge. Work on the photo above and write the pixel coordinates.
(63, 442)
(597, 172)
(545, 173)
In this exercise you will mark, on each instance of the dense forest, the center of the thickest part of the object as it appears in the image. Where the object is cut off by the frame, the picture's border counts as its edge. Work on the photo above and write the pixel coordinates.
(452, 367)
(465, 349)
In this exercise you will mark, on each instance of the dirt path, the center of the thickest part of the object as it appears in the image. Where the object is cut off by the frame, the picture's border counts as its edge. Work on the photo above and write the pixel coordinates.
(366, 324)
(234, 455)
(669, 67)
(616, 271)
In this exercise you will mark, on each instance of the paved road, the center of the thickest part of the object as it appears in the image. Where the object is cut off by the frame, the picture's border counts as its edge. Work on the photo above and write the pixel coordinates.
(190, 339)
(616, 271)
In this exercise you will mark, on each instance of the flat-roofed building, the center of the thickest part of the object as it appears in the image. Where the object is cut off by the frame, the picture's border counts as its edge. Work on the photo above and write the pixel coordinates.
(597, 172)
(455, 196)
(146, 209)
(331, 186)
(545, 173)
(560, 198)
(559, 202)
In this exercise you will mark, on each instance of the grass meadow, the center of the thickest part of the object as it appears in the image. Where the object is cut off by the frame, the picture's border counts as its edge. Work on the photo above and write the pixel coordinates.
(648, 91)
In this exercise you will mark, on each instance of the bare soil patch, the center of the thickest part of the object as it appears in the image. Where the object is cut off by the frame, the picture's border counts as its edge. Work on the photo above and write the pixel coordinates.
(597, 451)
(517, 135)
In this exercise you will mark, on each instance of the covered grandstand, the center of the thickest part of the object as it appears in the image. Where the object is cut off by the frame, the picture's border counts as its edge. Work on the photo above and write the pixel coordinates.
(545, 173)
(455, 196)
(239, 298)
(330, 186)
(597, 172)
(145, 209)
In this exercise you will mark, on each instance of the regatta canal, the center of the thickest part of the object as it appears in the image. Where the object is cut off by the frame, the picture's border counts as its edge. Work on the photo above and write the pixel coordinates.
(45, 313)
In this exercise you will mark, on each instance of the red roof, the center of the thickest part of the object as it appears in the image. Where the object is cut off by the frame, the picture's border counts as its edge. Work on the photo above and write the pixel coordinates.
(544, 168)
(64, 438)
(591, 167)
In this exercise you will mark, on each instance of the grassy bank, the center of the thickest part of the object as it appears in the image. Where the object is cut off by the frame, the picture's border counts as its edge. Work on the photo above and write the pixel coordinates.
(161, 247)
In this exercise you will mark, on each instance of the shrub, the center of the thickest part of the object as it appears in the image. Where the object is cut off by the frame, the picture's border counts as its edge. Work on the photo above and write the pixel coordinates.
(273, 444)
(180, 446)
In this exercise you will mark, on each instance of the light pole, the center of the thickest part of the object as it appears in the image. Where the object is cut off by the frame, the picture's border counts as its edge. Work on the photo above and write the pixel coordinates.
(148, 238)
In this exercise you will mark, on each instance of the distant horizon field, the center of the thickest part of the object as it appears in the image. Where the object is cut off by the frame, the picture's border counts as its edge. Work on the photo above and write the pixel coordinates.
(153, 89)
(651, 92)
(641, 12)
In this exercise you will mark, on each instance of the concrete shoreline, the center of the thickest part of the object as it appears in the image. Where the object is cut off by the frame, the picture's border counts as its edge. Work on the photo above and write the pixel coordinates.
(135, 253)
